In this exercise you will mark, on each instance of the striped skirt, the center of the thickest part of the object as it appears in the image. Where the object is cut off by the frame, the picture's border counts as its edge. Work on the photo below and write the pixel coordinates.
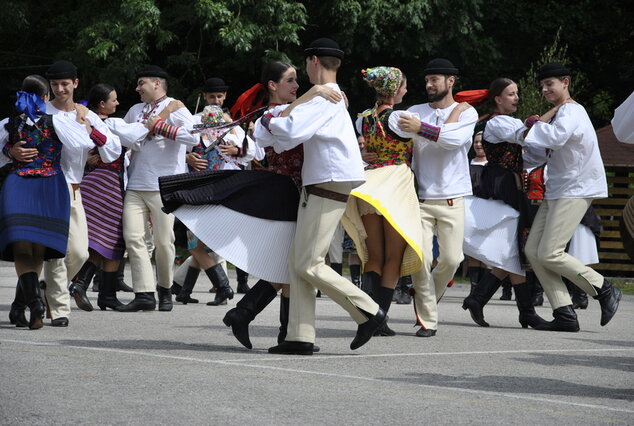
(102, 198)
(35, 210)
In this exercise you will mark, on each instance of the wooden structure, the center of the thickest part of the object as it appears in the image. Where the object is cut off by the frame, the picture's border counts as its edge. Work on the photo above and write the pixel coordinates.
(618, 159)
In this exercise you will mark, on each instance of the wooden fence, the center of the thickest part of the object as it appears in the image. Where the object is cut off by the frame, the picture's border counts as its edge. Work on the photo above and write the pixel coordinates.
(613, 260)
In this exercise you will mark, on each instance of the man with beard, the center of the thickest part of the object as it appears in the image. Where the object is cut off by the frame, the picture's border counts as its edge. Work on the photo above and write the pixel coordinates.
(442, 171)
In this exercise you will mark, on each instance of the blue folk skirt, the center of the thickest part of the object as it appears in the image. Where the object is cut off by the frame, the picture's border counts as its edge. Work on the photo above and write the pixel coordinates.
(35, 210)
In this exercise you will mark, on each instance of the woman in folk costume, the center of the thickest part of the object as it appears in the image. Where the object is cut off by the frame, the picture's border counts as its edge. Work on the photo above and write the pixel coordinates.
(34, 199)
(493, 233)
(382, 214)
(103, 187)
(248, 217)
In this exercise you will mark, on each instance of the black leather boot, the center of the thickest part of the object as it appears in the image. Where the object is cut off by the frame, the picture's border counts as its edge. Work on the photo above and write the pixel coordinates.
(483, 292)
(285, 303)
(121, 285)
(404, 285)
(609, 298)
(578, 296)
(369, 280)
(337, 267)
(523, 298)
(79, 285)
(32, 296)
(176, 288)
(355, 275)
(184, 296)
(538, 292)
(141, 302)
(164, 299)
(243, 279)
(239, 318)
(292, 348)
(383, 297)
(18, 307)
(220, 280)
(507, 292)
(474, 277)
(96, 280)
(565, 320)
(108, 292)
(366, 330)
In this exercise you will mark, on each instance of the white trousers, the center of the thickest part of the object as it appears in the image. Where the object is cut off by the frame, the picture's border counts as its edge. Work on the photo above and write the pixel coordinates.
(447, 218)
(552, 228)
(59, 272)
(317, 221)
(138, 208)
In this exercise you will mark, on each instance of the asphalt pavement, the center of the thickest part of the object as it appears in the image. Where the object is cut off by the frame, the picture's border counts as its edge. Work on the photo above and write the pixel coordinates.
(185, 367)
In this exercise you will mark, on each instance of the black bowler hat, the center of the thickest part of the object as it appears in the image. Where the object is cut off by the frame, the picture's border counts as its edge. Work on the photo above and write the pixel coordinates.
(214, 84)
(552, 69)
(324, 47)
(441, 66)
(152, 71)
(61, 70)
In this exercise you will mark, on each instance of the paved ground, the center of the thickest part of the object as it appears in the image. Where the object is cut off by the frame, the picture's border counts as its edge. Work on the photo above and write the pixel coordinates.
(185, 367)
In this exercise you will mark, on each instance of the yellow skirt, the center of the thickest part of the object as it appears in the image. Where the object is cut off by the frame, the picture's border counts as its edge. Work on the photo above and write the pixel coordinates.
(391, 191)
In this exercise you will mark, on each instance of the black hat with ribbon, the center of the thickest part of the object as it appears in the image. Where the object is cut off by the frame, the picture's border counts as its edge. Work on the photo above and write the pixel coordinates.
(441, 66)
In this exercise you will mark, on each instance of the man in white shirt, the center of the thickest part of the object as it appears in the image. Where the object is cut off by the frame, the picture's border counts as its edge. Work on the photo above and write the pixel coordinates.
(332, 168)
(576, 176)
(441, 167)
(161, 153)
(62, 76)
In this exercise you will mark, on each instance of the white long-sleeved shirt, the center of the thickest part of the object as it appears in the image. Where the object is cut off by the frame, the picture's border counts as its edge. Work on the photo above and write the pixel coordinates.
(70, 133)
(331, 152)
(503, 128)
(156, 155)
(575, 167)
(74, 159)
(441, 167)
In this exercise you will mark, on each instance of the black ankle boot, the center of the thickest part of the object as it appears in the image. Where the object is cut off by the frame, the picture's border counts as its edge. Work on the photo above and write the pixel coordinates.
(121, 285)
(243, 280)
(370, 280)
(528, 316)
(383, 297)
(579, 297)
(141, 302)
(18, 308)
(184, 295)
(220, 280)
(565, 320)
(285, 303)
(483, 292)
(609, 298)
(404, 285)
(507, 292)
(355, 275)
(537, 290)
(31, 291)
(79, 285)
(239, 318)
(108, 292)
(164, 299)
(366, 330)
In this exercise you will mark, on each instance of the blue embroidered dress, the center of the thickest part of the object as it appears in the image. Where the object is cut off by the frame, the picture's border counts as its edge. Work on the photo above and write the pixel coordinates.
(34, 200)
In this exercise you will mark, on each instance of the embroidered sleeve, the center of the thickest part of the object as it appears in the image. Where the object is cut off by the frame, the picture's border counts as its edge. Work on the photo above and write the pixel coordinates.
(98, 138)
(166, 130)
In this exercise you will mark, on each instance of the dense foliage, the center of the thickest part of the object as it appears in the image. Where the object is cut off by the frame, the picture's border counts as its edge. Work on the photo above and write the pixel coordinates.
(196, 39)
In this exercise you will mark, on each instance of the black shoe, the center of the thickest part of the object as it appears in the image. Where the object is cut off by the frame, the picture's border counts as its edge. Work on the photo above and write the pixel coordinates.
(176, 288)
(384, 330)
(219, 279)
(141, 302)
(609, 298)
(292, 348)
(78, 292)
(565, 320)
(366, 330)
(107, 297)
(164, 299)
(239, 319)
(59, 322)
(122, 286)
(425, 332)
(523, 299)
(18, 318)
